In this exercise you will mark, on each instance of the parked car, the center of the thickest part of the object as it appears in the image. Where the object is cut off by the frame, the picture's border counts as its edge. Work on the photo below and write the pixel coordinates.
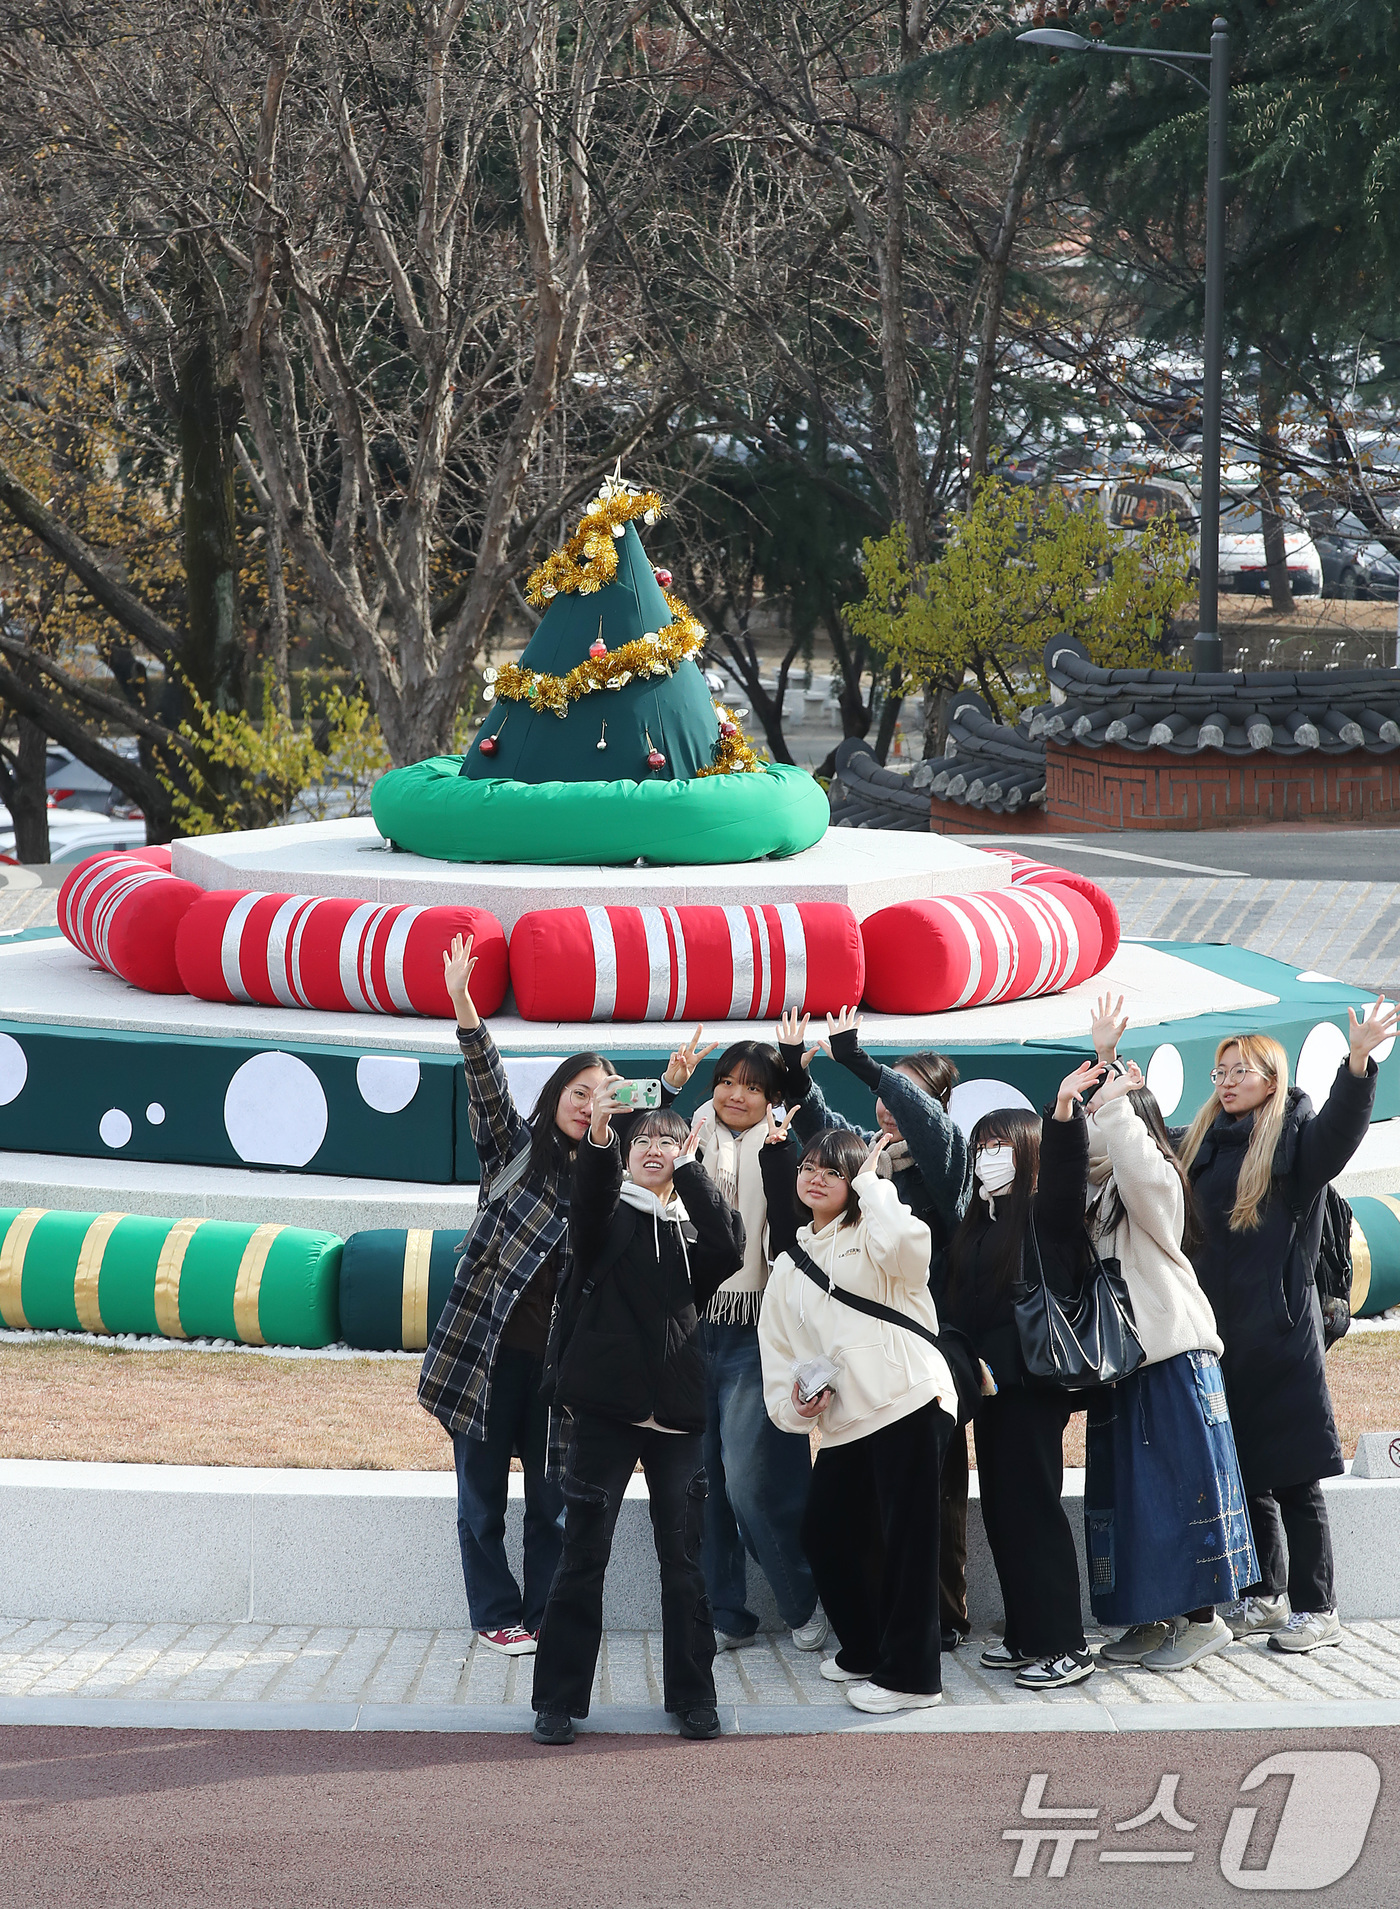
(75, 834)
(1354, 564)
(1132, 504)
(73, 785)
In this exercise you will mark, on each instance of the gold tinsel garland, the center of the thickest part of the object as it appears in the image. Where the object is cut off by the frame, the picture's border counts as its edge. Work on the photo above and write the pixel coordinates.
(587, 562)
(589, 559)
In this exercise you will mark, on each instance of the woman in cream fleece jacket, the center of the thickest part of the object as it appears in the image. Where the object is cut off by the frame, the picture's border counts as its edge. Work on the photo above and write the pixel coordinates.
(1166, 1524)
(871, 1528)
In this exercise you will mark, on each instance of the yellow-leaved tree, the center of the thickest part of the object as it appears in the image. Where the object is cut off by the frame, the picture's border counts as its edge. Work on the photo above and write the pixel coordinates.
(1020, 567)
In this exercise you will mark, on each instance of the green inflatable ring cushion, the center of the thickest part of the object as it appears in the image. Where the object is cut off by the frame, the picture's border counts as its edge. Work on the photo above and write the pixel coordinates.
(432, 809)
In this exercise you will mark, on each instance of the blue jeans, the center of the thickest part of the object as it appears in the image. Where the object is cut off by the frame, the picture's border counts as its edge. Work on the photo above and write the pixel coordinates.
(759, 1482)
(517, 1426)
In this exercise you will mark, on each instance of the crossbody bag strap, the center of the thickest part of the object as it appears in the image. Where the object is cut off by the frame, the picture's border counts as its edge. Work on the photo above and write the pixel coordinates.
(513, 1173)
(870, 1307)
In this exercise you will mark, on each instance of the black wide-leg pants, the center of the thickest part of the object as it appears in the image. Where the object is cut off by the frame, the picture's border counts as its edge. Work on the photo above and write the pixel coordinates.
(602, 1456)
(870, 1532)
(1021, 1473)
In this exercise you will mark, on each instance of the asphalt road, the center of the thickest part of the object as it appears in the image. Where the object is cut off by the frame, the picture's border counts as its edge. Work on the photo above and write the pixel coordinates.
(1316, 854)
(166, 1820)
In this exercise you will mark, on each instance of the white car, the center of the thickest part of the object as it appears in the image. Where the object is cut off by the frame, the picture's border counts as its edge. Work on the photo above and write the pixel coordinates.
(75, 834)
(1133, 504)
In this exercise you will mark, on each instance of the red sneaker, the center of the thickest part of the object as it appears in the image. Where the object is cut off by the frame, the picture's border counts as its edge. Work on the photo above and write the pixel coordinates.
(514, 1641)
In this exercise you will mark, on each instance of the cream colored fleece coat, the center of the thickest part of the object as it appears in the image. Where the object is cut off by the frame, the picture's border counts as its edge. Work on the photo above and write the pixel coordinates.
(886, 1371)
(1170, 1311)
(731, 1160)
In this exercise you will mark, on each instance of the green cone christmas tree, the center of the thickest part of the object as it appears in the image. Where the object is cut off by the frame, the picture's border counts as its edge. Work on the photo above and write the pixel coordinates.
(608, 688)
(603, 745)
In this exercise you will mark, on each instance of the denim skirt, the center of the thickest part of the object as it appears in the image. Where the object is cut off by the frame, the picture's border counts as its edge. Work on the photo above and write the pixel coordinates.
(1166, 1526)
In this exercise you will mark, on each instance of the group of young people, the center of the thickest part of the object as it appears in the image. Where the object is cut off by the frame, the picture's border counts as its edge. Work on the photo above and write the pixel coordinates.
(700, 1296)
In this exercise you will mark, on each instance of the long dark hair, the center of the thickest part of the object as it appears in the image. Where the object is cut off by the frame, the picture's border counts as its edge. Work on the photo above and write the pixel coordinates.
(839, 1151)
(1108, 1208)
(1001, 1259)
(547, 1145)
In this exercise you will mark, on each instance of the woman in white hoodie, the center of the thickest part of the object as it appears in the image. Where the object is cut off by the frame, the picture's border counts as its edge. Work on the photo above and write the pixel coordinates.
(884, 1399)
(1166, 1524)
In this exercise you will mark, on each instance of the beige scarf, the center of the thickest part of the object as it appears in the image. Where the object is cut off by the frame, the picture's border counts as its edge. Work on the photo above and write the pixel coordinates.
(731, 1160)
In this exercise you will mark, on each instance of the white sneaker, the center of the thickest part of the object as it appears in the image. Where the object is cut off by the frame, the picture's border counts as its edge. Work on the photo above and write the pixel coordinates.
(1189, 1643)
(834, 1674)
(1135, 1643)
(1307, 1630)
(881, 1702)
(1253, 1616)
(724, 1641)
(813, 1634)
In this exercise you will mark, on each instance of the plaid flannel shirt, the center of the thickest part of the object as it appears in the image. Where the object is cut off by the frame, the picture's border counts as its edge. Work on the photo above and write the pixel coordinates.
(504, 1255)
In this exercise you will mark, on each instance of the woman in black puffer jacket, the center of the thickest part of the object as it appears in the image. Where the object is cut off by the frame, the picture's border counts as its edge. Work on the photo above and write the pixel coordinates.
(627, 1363)
(1259, 1160)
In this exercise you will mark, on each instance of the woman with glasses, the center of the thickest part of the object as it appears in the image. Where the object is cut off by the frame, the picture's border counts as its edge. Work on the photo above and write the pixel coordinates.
(626, 1361)
(882, 1396)
(930, 1164)
(1259, 1160)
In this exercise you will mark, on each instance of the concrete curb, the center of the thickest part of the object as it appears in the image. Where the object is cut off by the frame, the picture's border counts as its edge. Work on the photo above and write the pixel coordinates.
(368, 1550)
(747, 1720)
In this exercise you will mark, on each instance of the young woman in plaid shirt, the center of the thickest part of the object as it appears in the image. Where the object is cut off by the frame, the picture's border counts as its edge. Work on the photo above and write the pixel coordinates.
(481, 1374)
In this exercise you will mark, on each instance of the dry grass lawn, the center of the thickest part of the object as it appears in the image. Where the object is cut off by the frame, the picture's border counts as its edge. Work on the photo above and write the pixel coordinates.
(216, 1408)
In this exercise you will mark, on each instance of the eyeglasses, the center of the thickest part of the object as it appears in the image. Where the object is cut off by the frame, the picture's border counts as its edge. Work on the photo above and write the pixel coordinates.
(1230, 1076)
(657, 1140)
(820, 1173)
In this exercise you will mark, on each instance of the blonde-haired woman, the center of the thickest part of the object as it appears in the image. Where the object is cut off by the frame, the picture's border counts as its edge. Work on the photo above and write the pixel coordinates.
(1259, 1159)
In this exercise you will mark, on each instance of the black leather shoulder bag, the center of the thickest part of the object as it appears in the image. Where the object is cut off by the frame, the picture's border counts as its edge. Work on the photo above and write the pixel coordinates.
(1076, 1344)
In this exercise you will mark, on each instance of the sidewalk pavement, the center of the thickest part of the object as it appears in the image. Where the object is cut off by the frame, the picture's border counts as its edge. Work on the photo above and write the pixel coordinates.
(264, 1677)
(1350, 930)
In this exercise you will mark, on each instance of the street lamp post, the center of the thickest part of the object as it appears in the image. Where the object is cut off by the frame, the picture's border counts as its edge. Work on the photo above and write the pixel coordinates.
(1207, 648)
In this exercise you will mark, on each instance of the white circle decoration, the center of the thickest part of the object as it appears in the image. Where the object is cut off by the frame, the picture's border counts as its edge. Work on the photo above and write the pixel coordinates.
(155, 1113)
(1322, 1054)
(275, 1111)
(971, 1099)
(527, 1074)
(1166, 1078)
(14, 1069)
(387, 1082)
(115, 1127)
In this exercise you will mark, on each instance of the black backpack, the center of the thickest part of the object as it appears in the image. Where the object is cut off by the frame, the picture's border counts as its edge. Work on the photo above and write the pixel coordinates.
(1334, 1270)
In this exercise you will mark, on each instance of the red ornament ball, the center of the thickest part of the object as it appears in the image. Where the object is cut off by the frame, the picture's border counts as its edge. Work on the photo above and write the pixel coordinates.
(598, 648)
(487, 745)
(728, 729)
(656, 760)
(663, 577)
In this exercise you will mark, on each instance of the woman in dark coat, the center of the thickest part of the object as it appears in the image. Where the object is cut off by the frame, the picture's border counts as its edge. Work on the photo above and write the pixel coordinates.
(1259, 1160)
(1031, 1175)
(628, 1365)
(930, 1164)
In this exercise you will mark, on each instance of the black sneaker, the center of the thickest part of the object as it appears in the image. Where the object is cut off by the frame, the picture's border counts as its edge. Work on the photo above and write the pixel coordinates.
(700, 1723)
(552, 1726)
(1055, 1672)
(951, 1637)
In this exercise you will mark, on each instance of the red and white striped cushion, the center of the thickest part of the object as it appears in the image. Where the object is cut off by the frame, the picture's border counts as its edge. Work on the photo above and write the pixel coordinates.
(1026, 873)
(313, 951)
(960, 951)
(122, 910)
(688, 963)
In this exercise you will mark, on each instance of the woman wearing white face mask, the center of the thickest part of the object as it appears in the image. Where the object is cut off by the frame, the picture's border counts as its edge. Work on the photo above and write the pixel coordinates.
(1028, 1173)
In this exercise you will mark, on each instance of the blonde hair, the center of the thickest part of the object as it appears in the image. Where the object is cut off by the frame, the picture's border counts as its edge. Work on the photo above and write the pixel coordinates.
(1264, 1054)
